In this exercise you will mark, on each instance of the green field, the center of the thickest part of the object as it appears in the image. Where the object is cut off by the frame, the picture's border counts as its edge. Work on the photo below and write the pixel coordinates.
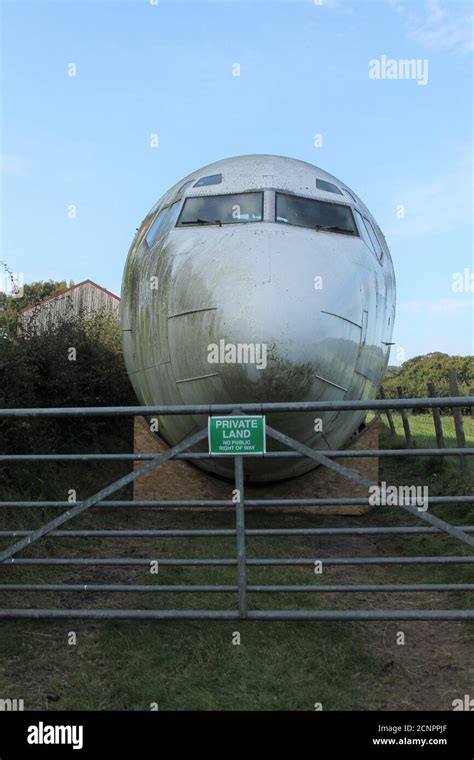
(278, 665)
(423, 432)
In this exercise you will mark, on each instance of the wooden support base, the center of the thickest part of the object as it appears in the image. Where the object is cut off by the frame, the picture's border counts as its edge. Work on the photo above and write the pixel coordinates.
(178, 479)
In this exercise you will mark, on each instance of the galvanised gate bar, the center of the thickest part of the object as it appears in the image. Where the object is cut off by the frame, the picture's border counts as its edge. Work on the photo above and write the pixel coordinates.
(432, 525)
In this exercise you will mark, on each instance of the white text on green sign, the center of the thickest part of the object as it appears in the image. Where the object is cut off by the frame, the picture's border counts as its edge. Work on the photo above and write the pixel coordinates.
(244, 435)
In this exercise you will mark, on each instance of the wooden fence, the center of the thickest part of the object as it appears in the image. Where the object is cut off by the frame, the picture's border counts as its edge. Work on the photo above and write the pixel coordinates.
(455, 414)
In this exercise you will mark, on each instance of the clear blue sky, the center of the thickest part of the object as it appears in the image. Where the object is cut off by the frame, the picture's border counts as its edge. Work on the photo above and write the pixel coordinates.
(166, 68)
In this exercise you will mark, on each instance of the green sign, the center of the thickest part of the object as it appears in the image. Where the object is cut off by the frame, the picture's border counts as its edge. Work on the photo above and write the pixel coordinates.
(233, 435)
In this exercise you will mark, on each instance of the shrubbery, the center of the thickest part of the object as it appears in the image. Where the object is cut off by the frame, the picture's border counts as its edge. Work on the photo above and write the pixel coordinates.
(77, 362)
(415, 373)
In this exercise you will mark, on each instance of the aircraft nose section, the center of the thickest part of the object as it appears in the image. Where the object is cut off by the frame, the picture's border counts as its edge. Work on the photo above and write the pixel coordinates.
(280, 325)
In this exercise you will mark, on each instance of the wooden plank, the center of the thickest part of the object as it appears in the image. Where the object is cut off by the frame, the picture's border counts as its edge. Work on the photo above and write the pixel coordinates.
(389, 414)
(87, 298)
(457, 414)
(406, 424)
(436, 417)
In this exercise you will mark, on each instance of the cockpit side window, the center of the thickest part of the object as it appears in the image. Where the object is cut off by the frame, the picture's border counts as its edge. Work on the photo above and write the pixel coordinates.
(351, 195)
(381, 239)
(375, 241)
(315, 214)
(222, 209)
(184, 187)
(162, 224)
(368, 235)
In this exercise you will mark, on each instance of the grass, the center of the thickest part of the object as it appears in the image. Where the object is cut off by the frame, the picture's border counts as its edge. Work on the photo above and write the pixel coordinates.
(195, 665)
(423, 432)
(190, 665)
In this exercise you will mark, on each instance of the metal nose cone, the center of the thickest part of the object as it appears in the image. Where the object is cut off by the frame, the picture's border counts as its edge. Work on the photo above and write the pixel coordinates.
(267, 331)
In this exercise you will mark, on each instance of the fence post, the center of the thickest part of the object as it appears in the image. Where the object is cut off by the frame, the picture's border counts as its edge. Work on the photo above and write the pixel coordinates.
(471, 393)
(436, 417)
(457, 414)
(389, 414)
(406, 424)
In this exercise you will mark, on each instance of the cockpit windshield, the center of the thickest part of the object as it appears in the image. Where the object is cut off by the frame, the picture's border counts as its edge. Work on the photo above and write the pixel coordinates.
(248, 207)
(222, 209)
(318, 215)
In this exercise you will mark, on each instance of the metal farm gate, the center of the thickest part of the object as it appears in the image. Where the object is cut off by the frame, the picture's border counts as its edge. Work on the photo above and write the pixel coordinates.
(431, 524)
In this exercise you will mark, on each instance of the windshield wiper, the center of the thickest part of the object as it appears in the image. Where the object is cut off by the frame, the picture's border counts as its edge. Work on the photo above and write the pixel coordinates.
(334, 228)
(204, 221)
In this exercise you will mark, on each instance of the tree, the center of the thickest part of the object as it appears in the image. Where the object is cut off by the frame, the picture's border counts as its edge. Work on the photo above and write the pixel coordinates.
(10, 304)
(415, 373)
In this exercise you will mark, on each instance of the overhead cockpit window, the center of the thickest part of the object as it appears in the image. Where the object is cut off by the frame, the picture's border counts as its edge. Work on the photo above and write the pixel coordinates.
(222, 209)
(318, 215)
(328, 187)
(212, 179)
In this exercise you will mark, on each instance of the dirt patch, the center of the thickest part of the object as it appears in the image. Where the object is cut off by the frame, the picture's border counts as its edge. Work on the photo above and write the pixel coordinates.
(433, 667)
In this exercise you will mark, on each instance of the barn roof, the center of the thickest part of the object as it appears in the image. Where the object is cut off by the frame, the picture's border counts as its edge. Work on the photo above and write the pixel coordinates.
(67, 290)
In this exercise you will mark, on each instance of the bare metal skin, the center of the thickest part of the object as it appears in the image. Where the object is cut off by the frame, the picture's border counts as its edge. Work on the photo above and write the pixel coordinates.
(317, 306)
